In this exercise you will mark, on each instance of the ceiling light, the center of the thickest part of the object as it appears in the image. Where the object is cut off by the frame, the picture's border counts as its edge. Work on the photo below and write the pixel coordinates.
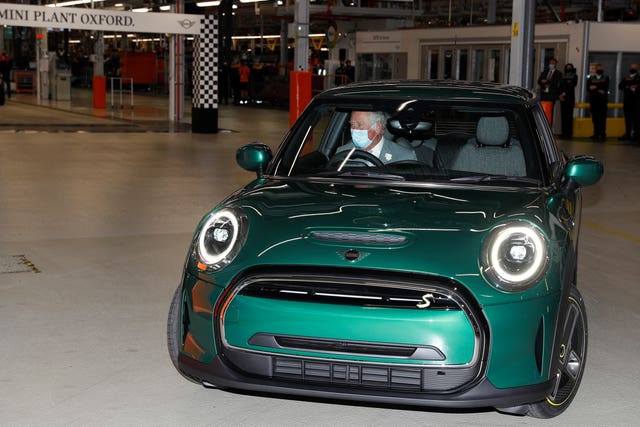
(73, 3)
(208, 3)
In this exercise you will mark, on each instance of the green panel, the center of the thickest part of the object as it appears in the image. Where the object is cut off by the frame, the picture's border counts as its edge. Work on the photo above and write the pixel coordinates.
(444, 230)
(513, 327)
(449, 331)
(201, 322)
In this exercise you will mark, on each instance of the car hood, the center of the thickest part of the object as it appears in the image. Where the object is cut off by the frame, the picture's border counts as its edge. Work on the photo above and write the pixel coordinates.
(431, 231)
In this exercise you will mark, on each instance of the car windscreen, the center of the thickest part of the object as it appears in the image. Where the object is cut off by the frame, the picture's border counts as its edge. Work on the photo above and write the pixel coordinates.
(414, 140)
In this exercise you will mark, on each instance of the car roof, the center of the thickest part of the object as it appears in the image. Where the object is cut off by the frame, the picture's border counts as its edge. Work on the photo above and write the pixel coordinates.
(432, 89)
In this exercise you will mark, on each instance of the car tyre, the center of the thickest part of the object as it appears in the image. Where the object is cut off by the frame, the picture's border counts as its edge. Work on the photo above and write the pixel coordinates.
(174, 335)
(573, 356)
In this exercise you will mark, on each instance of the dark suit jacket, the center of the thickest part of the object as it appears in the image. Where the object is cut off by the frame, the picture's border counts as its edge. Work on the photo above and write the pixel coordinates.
(391, 152)
(549, 90)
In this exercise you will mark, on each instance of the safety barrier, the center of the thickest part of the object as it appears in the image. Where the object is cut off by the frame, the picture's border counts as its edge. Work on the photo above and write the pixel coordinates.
(583, 126)
(121, 82)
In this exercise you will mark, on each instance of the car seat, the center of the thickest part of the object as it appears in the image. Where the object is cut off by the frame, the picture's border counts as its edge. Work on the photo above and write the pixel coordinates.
(492, 151)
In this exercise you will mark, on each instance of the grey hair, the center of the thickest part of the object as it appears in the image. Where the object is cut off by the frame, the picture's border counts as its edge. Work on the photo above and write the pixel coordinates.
(377, 116)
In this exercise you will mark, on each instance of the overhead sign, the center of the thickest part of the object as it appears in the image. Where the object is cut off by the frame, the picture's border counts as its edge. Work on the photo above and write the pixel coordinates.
(21, 15)
(380, 41)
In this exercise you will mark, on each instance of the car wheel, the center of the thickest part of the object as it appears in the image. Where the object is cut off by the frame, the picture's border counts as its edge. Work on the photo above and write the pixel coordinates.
(174, 335)
(573, 356)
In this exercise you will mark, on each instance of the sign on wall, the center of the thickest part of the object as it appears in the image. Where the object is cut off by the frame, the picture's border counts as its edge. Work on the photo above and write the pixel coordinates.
(21, 15)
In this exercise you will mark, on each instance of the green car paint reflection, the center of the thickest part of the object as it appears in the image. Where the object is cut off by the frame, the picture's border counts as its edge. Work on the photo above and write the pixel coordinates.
(416, 282)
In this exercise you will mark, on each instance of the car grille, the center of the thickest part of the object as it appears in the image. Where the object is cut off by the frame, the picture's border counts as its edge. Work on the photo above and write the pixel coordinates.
(370, 295)
(357, 288)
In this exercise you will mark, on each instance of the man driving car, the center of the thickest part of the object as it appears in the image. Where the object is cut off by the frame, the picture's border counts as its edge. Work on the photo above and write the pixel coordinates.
(367, 134)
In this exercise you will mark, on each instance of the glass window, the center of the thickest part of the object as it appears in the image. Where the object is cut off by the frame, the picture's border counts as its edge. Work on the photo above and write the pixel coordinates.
(478, 65)
(380, 66)
(448, 64)
(494, 65)
(415, 140)
(433, 69)
(463, 59)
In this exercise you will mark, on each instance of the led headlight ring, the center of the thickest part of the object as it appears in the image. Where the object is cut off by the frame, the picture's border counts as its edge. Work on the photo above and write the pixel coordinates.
(515, 256)
(220, 238)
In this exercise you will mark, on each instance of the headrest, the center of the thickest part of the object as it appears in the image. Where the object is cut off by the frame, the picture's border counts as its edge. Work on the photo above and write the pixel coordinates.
(492, 131)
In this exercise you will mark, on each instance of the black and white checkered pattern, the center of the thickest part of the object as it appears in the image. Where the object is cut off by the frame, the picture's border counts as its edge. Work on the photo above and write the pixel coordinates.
(205, 64)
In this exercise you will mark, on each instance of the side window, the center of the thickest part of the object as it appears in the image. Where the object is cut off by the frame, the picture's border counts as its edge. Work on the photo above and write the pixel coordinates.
(551, 156)
(313, 139)
(320, 139)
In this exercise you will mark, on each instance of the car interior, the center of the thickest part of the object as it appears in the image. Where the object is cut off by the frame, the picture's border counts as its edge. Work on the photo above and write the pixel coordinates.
(452, 141)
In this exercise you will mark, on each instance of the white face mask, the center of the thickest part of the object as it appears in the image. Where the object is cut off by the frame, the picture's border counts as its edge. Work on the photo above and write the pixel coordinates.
(360, 138)
(552, 67)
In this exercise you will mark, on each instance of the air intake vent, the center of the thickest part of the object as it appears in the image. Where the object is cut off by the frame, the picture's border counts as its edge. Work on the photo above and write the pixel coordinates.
(370, 239)
(404, 379)
(370, 349)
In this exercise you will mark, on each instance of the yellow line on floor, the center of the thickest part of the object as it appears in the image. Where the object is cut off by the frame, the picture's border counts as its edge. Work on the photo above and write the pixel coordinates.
(612, 231)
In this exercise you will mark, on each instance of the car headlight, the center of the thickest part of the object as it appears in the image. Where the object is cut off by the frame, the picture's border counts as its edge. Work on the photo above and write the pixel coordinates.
(515, 256)
(221, 238)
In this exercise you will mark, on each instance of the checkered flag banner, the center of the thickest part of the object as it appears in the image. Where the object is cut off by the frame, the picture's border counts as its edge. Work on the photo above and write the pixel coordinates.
(205, 64)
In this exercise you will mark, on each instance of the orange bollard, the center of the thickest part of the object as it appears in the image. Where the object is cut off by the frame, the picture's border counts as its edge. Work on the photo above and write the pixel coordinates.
(299, 93)
(547, 106)
(99, 92)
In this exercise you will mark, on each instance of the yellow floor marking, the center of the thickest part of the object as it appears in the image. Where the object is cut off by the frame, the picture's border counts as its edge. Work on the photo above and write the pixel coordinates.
(612, 231)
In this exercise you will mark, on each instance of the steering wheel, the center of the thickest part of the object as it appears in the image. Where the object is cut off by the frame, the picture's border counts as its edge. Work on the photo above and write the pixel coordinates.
(357, 155)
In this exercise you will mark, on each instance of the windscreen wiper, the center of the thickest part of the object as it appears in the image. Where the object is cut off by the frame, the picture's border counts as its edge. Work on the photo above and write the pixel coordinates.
(496, 178)
(374, 175)
(360, 174)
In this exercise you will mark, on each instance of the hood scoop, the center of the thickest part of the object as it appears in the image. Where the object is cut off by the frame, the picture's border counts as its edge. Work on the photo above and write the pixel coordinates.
(359, 238)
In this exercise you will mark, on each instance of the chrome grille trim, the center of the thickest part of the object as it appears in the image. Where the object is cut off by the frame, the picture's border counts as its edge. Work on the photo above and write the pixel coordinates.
(370, 295)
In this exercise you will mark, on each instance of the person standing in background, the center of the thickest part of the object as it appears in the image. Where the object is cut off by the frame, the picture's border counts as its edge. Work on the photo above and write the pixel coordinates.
(341, 75)
(630, 104)
(350, 71)
(598, 87)
(549, 82)
(244, 73)
(567, 99)
(5, 71)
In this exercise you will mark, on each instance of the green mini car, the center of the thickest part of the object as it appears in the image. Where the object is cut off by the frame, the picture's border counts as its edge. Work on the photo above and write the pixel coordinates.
(409, 243)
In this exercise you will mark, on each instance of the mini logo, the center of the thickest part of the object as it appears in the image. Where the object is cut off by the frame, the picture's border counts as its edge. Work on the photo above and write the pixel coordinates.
(186, 23)
(427, 301)
(351, 255)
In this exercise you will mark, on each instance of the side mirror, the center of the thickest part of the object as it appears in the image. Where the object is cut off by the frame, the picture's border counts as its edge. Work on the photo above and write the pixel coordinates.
(254, 157)
(582, 171)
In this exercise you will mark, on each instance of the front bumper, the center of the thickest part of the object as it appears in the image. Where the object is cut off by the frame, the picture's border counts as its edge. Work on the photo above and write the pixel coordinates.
(499, 359)
(483, 394)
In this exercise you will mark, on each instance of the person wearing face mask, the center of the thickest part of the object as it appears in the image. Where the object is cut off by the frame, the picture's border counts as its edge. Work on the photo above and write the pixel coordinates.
(598, 86)
(549, 82)
(567, 99)
(630, 104)
(367, 134)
